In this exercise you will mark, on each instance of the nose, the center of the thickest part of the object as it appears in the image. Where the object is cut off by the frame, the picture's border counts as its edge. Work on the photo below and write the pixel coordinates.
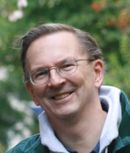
(55, 79)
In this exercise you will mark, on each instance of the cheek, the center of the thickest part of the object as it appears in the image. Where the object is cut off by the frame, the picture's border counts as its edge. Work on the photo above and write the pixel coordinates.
(38, 95)
(77, 79)
(38, 92)
(85, 76)
(86, 81)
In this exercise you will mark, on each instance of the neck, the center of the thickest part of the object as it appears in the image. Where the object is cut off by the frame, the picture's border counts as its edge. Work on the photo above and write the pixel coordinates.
(81, 131)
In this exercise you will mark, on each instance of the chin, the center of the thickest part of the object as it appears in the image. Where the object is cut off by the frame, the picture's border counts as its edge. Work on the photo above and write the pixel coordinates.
(66, 114)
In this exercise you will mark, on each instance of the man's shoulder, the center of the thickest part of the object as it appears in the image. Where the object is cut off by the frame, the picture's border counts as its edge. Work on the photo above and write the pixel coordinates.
(28, 145)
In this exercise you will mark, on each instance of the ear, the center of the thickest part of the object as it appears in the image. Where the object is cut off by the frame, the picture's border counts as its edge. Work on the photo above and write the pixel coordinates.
(30, 89)
(99, 72)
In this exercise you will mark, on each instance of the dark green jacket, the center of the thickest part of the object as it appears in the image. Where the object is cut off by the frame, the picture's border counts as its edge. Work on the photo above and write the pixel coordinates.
(120, 145)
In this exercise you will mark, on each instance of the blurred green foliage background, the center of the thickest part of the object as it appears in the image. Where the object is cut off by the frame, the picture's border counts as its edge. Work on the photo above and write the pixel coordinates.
(107, 20)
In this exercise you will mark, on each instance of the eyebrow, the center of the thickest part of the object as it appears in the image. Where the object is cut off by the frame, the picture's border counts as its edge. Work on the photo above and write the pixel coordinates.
(64, 61)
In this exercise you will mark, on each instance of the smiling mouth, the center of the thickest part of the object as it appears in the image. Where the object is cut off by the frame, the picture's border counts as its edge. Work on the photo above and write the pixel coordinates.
(61, 96)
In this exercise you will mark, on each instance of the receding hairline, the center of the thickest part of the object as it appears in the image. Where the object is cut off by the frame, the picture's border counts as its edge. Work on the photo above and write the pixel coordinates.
(48, 29)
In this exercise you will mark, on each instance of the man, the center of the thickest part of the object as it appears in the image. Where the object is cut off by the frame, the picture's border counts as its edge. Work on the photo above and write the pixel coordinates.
(64, 72)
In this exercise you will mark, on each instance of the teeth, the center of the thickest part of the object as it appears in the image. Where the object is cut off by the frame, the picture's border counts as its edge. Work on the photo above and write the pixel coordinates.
(61, 96)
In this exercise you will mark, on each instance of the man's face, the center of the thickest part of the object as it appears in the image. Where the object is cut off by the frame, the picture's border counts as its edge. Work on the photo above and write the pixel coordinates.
(63, 96)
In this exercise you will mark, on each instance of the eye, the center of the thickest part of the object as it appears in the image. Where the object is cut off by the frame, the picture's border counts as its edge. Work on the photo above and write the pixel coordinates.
(67, 66)
(40, 74)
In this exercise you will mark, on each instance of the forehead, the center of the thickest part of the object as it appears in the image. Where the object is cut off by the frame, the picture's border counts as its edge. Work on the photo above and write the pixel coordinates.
(52, 48)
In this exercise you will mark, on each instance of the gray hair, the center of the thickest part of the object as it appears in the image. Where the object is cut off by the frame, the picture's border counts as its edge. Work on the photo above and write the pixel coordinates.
(86, 41)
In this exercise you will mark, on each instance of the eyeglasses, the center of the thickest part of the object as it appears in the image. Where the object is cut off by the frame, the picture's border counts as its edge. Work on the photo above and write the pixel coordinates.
(64, 69)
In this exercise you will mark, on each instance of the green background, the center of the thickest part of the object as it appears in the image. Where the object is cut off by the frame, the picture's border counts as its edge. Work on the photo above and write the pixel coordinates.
(107, 20)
